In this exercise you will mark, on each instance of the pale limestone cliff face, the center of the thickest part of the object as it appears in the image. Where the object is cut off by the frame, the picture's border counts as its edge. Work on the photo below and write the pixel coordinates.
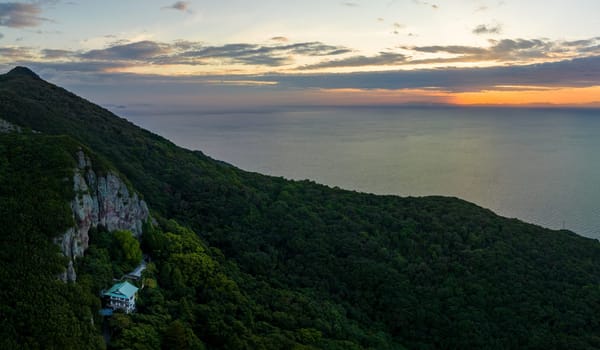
(6, 127)
(99, 200)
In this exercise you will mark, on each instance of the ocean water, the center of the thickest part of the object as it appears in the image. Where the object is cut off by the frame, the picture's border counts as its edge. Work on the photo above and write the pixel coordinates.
(538, 165)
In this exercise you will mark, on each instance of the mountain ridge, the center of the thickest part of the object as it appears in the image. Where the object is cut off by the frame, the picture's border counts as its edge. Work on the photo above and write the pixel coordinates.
(22, 71)
(310, 266)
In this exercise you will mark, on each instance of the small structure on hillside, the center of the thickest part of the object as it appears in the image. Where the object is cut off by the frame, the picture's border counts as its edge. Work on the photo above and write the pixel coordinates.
(121, 296)
(137, 273)
(106, 312)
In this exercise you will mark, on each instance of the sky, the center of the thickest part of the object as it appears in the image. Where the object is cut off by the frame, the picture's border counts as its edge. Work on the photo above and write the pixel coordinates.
(231, 54)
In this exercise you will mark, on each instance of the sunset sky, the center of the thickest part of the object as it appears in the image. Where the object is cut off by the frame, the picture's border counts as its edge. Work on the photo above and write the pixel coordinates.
(237, 54)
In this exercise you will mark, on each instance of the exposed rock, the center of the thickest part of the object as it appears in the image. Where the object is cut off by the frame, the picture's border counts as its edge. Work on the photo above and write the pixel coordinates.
(6, 127)
(99, 200)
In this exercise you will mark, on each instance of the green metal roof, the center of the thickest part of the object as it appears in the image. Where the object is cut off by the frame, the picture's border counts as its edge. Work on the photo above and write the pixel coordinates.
(122, 290)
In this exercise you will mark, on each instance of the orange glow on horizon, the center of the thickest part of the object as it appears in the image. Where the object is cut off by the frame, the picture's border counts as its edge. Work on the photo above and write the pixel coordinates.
(527, 95)
(385, 96)
(559, 96)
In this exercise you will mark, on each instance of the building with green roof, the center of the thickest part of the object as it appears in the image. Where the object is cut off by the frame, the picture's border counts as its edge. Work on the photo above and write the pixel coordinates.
(121, 296)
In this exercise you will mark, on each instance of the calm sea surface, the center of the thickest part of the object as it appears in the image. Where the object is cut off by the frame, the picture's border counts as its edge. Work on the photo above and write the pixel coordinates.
(541, 166)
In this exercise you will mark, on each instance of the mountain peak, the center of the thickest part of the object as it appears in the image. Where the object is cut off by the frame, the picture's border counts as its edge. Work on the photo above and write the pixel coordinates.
(22, 71)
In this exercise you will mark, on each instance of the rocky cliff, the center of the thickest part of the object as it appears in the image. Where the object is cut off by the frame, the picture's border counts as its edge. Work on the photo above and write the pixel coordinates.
(6, 127)
(99, 201)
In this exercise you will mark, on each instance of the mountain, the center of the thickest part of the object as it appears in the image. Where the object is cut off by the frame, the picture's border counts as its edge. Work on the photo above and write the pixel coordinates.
(246, 261)
(37, 309)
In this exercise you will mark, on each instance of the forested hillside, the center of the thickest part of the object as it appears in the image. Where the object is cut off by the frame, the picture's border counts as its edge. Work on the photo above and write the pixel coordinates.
(247, 261)
(37, 310)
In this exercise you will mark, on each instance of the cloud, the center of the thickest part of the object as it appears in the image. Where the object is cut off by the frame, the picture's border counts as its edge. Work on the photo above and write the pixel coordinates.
(19, 15)
(453, 49)
(124, 54)
(506, 50)
(238, 53)
(581, 72)
(15, 53)
(151, 55)
(191, 93)
(138, 51)
(349, 4)
(488, 29)
(582, 43)
(382, 59)
(592, 49)
(397, 27)
(281, 39)
(252, 54)
(421, 2)
(314, 48)
(179, 6)
(56, 54)
(96, 69)
(510, 50)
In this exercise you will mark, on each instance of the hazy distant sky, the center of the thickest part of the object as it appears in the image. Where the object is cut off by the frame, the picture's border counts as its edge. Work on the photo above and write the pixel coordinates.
(238, 54)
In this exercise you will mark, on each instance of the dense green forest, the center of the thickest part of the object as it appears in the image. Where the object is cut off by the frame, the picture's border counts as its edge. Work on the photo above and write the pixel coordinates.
(246, 261)
(37, 310)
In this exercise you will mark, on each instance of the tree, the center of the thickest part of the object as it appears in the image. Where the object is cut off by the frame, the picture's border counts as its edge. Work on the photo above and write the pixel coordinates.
(127, 249)
(179, 336)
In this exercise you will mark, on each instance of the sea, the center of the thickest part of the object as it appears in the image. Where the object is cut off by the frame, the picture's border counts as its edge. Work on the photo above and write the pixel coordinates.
(540, 165)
